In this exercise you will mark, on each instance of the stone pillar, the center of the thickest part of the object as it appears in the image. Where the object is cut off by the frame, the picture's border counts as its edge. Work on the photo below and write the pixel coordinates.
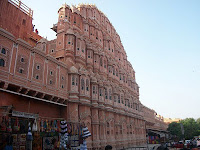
(102, 130)
(95, 128)
(72, 113)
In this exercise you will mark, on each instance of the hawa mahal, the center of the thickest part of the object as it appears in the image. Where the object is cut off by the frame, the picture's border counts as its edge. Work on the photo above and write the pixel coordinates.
(82, 76)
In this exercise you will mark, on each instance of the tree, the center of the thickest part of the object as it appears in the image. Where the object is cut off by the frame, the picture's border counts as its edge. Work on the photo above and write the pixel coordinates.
(191, 128)
(198, 121)
(175, 129)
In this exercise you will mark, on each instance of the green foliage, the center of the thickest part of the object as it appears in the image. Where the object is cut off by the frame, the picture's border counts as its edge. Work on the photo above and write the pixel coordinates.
(191, 128)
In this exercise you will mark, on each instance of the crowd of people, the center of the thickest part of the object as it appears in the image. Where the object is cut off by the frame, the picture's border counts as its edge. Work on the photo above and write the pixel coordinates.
(186, 144)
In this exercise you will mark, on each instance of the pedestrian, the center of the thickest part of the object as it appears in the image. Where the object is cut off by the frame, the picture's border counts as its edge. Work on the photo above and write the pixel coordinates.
(194, 142)
(36, 31)
(108, 147)
(33, 27)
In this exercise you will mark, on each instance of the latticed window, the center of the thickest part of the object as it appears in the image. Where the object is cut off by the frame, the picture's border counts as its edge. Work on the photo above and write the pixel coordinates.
(37, 77)
(82, 84)
(101, 62)
(38, 67)
(87, 85)
(118, 99)
(106, 93)
(3, 51)
(74, 19)
(100, 92)
(22, 59)
(122, 99)
(120, 129)
(2, 63)
(76, 81)
(73, 80)
(21, 70)
(115, 98)
(93, 89)
(108, 128)
(97, 35)
(88, 52)
(110, 95)
(105, 64)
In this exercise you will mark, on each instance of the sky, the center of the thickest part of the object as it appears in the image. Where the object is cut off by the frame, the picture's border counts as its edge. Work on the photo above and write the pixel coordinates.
(162, 42)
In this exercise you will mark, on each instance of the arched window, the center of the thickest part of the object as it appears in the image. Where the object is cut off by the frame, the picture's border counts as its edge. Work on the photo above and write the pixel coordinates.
(38, 67)
(97, 35)
(74, 19)
(76, 81)
(3, 51)
(100, 92)
(37, 76)
(106, 93)
(122, 99)
(118, 98)
(82, 84)
(21, 70)
(2, 63)
(108, 128)
(93, 89)
(69, 39)
(87, 85)
(22, 59)
(101, 62)
(73, 80)
(88, 53)
(105, 63)
(110, 96)
(108, 124)
(115, 98)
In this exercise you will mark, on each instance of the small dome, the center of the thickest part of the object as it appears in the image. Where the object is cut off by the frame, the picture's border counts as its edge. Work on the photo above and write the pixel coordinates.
(73, 70)
(93, 79)
(43, 40)
(70, 31)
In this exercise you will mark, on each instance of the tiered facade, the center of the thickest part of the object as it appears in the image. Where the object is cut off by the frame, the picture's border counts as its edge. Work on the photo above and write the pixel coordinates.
(82, 76)
(101, 79)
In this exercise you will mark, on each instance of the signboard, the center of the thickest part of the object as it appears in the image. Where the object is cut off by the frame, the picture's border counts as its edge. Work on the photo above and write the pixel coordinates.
(24, 114)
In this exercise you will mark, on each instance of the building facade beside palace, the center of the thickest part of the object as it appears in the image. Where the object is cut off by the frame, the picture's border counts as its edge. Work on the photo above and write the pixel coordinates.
(81, 76)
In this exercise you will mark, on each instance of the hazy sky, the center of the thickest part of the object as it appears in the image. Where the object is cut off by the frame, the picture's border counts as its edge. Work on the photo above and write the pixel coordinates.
(162, 42)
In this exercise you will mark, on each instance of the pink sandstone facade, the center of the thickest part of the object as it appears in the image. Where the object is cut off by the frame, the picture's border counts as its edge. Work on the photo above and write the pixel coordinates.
(82, 76)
